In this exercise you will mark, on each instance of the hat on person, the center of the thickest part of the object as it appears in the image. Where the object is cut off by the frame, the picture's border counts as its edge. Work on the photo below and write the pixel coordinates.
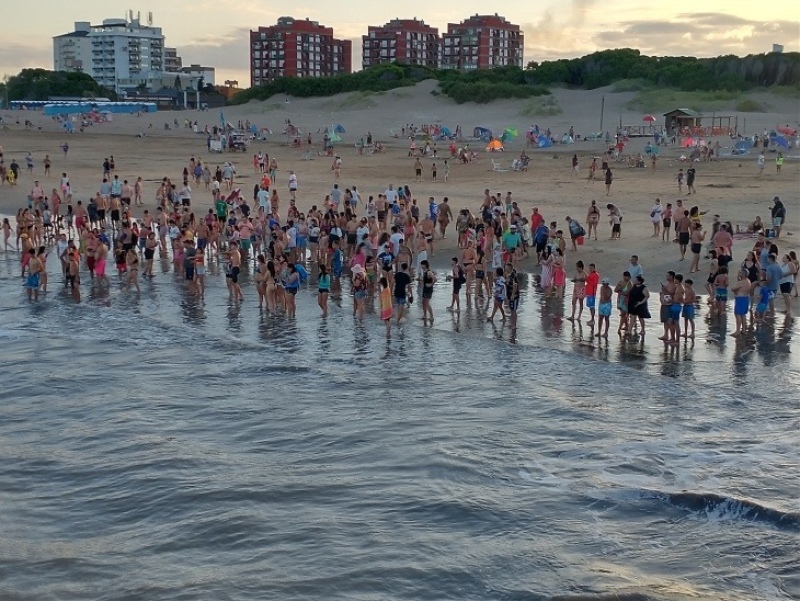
(606, 281)
(356, 269)
(513, 226)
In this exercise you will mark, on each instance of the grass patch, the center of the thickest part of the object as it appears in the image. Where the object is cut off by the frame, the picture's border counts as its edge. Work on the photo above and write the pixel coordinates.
(748, 105)
(788, 91)
(631, 85)
(662, 100)
(543, 107)
(354, 100)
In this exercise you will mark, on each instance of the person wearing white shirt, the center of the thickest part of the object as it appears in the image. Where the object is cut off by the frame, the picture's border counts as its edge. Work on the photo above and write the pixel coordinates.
(635, 268)
(263, 200)
(396, 239)
(391, 195)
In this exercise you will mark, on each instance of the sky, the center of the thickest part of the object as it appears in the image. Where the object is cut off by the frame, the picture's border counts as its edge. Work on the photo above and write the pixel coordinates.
(215, 32)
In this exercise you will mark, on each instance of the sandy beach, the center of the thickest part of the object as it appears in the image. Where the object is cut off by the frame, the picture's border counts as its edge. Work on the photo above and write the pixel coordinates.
(728, 187)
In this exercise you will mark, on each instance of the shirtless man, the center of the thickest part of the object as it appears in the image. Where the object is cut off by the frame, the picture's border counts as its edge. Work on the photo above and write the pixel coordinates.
(604, 308)
(81, 215)
(741, 301)
(101, 202)
(101, 257)
(382, 208)
(445, 217)
(137, 192)
(35, 269)
(684, 226)
(678, 299)
(428, 228)
(127, 193)
(115, 212)
(235, 261)
(202, 233)
(73, 278)
(665, 298)
(91, 253)
(163, 230)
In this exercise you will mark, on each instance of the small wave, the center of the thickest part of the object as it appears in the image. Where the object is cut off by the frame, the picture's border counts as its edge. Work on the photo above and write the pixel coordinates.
(718, 507)
(604, 597)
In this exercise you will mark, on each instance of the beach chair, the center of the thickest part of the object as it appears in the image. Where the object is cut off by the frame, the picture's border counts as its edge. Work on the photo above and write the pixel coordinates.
(308, 156)
(498, 167)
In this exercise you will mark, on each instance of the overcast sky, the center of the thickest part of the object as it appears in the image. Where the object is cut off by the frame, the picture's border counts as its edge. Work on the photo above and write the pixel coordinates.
(214, 32)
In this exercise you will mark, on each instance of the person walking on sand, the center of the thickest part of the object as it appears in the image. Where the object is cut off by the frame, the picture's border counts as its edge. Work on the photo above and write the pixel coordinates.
(418, 169)
(690, 175)
(656, 214)
(679, 179)
(609, 180)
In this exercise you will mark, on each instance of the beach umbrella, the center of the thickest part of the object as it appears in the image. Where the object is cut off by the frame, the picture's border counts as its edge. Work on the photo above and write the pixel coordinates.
(648, 119)
(512, 132)
(338, 129)
(786, 130)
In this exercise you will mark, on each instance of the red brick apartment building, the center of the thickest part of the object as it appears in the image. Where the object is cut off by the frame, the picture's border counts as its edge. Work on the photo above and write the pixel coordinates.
(482, 42)
(408, 41)
(297, 48)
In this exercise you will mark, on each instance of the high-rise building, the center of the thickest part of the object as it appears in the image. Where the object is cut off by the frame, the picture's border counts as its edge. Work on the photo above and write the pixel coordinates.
(297, 48)
(482, 42)
(172, 62)
(408, 41)
(119, 50)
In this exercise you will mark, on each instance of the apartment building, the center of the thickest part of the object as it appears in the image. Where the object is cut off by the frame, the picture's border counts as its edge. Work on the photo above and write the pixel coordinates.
(408, 41)
(297, 48)
(115, 51)
(482, 42)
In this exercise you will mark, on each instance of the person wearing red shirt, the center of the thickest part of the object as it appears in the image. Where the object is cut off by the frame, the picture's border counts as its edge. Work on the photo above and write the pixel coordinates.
(592, 280)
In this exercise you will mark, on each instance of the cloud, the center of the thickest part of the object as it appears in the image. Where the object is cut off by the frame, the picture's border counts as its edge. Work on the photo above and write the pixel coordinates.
(700, 34)
(225, 51)
(15, 57)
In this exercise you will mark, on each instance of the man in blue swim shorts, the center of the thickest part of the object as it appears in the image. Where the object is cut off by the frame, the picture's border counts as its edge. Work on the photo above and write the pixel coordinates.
(604, 308)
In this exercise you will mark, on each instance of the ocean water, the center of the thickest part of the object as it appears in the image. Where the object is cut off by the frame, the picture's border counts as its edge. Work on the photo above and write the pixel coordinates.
(162, 447)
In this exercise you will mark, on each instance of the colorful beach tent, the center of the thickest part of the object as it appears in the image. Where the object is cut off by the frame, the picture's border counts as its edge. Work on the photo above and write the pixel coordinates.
(786, 130)
(691, 142)
(338, 128)
(446, 132)
(484, 133)
(742, 147)
(779, 141)
(495, 145)
(545, 142)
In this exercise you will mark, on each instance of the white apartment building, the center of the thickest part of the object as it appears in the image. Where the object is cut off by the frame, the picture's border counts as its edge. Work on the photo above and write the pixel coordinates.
(116, 51)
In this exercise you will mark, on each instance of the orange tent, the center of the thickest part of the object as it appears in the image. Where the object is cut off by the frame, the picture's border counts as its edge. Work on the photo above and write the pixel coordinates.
(495, 146)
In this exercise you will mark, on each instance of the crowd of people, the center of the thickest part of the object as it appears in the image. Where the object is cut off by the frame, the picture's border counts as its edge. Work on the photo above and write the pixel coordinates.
(380, 246)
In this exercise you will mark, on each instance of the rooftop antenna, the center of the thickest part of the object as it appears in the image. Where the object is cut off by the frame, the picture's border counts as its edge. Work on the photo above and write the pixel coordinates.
(150, 19)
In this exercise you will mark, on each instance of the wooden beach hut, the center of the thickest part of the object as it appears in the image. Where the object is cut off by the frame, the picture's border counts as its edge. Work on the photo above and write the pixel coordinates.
(681, 120)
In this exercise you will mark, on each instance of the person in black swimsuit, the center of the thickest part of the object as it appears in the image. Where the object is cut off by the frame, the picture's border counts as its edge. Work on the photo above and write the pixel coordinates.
(428, 280)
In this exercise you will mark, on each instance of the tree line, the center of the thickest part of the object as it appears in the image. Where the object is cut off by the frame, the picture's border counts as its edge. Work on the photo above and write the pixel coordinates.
(731, 73)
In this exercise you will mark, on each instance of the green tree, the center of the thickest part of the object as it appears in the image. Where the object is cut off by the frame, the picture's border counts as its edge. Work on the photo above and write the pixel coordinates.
(41, 84)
